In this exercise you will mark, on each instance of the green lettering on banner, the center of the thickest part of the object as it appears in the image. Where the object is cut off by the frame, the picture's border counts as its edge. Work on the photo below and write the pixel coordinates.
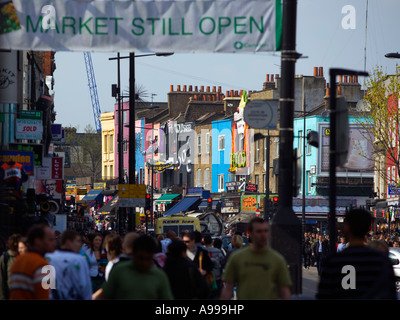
(170, 28)
(223, 25)
(98, 26)
(65, 25)
(253, 22)
(201, 25)
(84, 25)
(116, 24)
(153, 20)
(239, 25)
(137, 26)
(29, 22)
(183, 29)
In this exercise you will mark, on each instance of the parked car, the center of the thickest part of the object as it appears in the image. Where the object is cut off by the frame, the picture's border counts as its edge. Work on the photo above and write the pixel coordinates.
(394, 256)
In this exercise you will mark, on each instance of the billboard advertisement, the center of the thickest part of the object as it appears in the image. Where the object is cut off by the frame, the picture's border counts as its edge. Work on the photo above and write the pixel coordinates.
(358, 158)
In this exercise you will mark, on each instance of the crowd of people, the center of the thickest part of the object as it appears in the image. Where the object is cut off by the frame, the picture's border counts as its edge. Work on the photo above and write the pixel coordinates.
(105, 265)
(95, 266)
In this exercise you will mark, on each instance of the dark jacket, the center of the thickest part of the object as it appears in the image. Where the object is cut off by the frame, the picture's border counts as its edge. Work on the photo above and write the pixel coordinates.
(185, 279)
(207, 264)
(325, 249)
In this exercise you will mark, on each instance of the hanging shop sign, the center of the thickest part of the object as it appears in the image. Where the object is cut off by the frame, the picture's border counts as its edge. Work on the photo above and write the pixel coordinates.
(158, 26)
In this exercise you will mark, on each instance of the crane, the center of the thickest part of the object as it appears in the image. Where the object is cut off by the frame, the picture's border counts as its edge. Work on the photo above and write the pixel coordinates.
(93, 90)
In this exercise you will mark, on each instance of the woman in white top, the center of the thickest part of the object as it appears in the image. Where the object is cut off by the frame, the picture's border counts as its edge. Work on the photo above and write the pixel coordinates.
(113, 245)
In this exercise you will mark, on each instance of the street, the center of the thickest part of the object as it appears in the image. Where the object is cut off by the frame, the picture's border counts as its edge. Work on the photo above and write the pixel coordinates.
(310, 284)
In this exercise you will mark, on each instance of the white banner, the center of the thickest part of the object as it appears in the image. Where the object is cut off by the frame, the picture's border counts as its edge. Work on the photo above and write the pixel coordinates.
(146, 26)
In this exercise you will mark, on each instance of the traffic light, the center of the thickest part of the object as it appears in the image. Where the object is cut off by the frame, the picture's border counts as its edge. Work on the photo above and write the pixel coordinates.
(147, 205)
(209, 204)
(267, 208)
(274, 209)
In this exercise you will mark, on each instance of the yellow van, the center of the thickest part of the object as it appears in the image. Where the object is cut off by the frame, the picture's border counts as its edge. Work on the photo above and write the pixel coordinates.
(178, 223)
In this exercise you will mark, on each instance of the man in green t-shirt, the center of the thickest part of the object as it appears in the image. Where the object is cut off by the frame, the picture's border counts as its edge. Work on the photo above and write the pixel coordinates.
(258, 271)
(138, 278)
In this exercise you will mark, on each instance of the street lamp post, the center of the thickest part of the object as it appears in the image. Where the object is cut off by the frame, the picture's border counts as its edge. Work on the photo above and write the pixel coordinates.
(285, 226)
(132, 115)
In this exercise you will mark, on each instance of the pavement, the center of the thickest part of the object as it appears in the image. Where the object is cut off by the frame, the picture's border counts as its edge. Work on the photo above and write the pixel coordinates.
(309, 284)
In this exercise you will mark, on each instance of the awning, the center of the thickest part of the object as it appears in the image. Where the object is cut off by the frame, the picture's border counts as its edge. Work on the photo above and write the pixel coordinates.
(184, 205)
(93, 195)
(167, 198)
(109, 206)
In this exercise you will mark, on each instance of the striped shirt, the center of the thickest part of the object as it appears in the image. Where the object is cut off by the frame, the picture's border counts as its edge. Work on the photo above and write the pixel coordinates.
(27, 275)
(357, 273)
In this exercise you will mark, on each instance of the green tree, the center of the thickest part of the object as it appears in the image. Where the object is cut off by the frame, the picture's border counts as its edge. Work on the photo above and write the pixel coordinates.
(85, 149)
(379, 111)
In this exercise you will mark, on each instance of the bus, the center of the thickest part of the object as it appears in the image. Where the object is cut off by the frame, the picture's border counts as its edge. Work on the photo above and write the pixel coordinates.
(178, 223)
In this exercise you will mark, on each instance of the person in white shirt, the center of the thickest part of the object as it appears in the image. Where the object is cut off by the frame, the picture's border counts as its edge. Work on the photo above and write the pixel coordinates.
(113, 245)
(341, 245)
(71, 269)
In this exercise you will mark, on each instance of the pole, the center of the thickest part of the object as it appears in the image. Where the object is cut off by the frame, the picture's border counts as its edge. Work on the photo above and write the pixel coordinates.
(333, 153)
(303, 210)
(285, 226)
(132, 134)
(120, 142)
(267, 156)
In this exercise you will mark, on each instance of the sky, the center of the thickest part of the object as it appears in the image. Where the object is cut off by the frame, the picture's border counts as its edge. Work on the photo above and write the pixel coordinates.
(321, 39)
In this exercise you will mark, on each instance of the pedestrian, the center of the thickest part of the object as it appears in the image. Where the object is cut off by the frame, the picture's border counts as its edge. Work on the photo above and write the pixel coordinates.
(6, 261)
(197, 254)
(236, 244)
(359, 272)
(72, 271)
(184, 277)
(97, 260)
(138, 278)
(216, 257)
(342, 244)
(113, 246)
(307, 252)
(22, 245)
(28, 272)
(320, 251)
(258, 271)
(127, 246)
(171, 235)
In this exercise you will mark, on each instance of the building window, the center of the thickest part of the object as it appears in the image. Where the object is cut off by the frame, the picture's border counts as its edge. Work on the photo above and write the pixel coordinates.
(125, 116)
(221, 182)
(105, 172)
(207, 142)
(301, 142)
(125, 145)
(221, 143)
(141, 176)
(257, 179)
(198, 178)
(207, 179)
(111, 143)
(309, 175)
(111, 171)
(199, 144)
(257, 151)
(276, 140)
(265, 182)
(308, 145)
(105, 144)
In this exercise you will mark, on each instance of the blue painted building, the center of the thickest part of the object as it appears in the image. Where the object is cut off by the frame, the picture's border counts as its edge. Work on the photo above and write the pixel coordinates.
(221, 149)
